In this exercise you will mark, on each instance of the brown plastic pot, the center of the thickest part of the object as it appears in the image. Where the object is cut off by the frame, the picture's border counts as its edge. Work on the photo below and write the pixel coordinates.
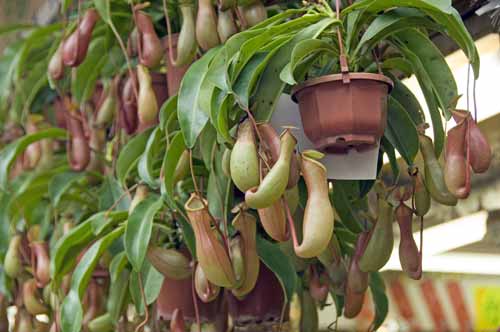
(343, 111)
(262, 306)
(174, 74)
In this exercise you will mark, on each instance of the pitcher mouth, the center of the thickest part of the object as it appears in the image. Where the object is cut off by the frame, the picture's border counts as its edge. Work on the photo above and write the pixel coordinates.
(338, 77)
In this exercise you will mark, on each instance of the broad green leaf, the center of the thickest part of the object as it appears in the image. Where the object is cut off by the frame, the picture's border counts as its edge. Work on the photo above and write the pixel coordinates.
(391, 154)
(405, 97)
(145, 167)
(130, 154)
(441, 11)
(111, 195)
(15, 27)
(398, 63)
(167, 109)
(216, 188)
(270, 87)
(253, 45)
(428, 90)
(5, 200)
(278, 18)
(61, 183)
(376, 6)
(138, 230)
(305, 49)
(208, 140)
(174, 152)
(345, 208)
(152, 280)
(390, 23)
(401, 131)
(380, 300)
(71, 310)
(435, 65)
(248, 78)
(102, 7)
(118, 292)
(10, 152)
(103, 220)
(279, 263)
(71, 244)
(118, 263)
(192, 118)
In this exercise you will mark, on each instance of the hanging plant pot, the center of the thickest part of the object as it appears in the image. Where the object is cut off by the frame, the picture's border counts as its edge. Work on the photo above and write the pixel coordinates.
(174, 74)
(344, 111)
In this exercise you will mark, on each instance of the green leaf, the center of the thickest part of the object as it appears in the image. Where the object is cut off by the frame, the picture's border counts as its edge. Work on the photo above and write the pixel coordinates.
(441, 11)
(391, 154)
(153, 280)
(71, 310)
(154, 146)
(138, 230)
(428, 90)
(61, 183)
(166, 111)
(192, 117)
(249, 76)
(15, 27)
(435, 65)
(344, 207)
(279, 263)
(118, 263)
(216, 188)
(118, 292)
(102, 221)
(130, 154)
(390, 23)
(71, 244)
(401, 131)
(398, 63)
(102, 7)
(5, 200)
(270, 87)
(9, 153)
(305, 49)
(174, 152)
(380, 300)
(111, 194)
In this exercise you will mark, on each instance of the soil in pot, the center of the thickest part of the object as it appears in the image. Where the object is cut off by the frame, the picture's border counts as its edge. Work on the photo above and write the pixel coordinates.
(339, 114)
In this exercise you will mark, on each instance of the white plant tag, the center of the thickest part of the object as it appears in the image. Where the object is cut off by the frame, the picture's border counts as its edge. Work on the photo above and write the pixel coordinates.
(351, 166)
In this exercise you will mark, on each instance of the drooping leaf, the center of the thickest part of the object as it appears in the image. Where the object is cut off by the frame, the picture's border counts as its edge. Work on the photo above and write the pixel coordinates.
(61, 183)
(138, 230)
(279, 263)
(118, 292)
(102, 7)
(435, 65)
(9, 153)
(270, 87)
(145, 167)
(405, 97)
(152, 282)
(344, 207)
(401, 131)
(192, 118)
(380, 300)
(112, 196)
(71, 310)
(174, 152)
(130, 154)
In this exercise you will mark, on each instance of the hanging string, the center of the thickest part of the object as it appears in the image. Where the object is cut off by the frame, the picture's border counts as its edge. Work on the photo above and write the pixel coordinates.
(468, 83)
(474, 100)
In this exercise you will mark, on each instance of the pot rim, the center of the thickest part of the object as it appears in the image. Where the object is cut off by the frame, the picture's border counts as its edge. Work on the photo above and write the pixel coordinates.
(339, 77)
